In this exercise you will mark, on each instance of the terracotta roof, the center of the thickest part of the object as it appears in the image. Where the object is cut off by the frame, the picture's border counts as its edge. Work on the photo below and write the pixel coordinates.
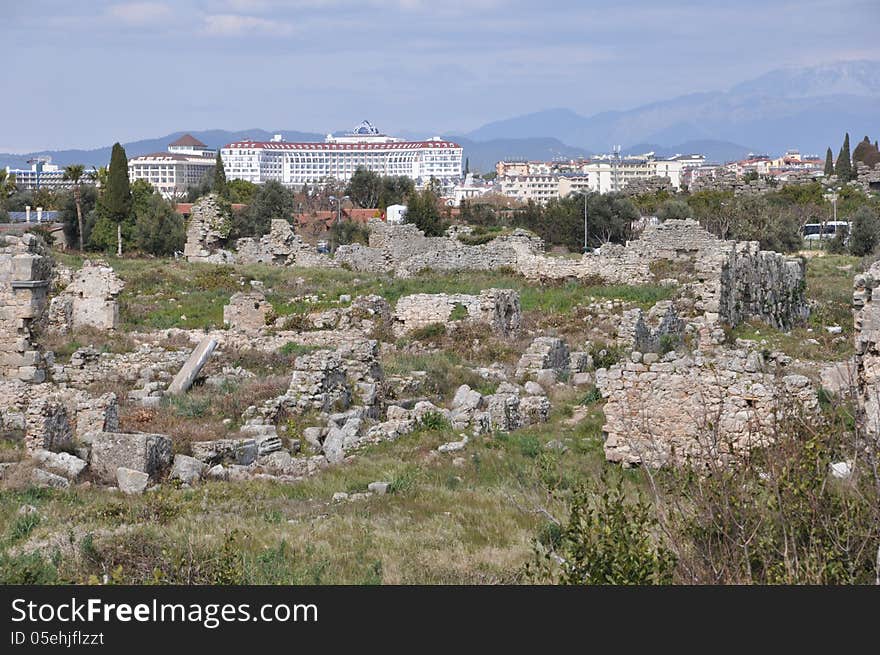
(188, 140)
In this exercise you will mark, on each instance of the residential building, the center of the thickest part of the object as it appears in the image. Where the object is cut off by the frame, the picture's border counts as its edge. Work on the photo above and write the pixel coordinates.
(171, 173)
(338, 157)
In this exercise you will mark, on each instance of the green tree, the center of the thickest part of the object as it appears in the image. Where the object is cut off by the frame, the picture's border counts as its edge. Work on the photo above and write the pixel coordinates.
(395, 190)
(116, 201)
(423, 212)
(672, 209)
(241, 191)
(364, 188)
(867, 153)
(829, 163)
(865, 232)
(74, 215)
(843, 167)
(74, 173)
(158, 229)
(272, 201)
(7, 188)
(219, 185)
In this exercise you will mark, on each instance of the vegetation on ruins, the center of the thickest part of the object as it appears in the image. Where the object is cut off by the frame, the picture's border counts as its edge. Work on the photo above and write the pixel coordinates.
(272, 200)
(423, 211)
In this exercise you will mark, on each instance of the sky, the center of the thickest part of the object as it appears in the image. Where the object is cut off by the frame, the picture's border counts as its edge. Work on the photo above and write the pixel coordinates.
(86, 74)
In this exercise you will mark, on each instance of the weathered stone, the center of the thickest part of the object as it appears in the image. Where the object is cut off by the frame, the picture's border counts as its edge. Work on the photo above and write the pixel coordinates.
(187, 469)
(148, 453)
(89, 301)
(70, 466)
(234, 451)
(499, 309)
(247, 312)
(131, 481)
(379, 488)
(41, 478)
(190, 371)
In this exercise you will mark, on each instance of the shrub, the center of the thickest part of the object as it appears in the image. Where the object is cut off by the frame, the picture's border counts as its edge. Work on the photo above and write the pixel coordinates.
(606, 539)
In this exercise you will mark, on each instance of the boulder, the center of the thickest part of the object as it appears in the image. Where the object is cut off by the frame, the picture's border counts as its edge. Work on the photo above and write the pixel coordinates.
(70, 466)
(41, 478)
(130, 481)
(187, 469)
(139, 451)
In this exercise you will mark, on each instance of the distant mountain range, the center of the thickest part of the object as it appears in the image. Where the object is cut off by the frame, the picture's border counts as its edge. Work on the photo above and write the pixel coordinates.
(807, 108)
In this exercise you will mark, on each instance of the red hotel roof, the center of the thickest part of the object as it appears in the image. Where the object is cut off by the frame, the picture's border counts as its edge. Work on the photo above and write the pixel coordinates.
(394, 145)
(188, 140)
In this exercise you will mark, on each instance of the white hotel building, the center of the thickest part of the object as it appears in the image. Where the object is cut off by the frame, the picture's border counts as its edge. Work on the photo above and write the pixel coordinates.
(172, 173)
(338, 157)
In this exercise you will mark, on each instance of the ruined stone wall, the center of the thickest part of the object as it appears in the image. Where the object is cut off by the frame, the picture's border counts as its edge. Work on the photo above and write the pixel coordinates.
(25, 269)
(281, 247)
(866, 324)
(247, 312)
(497, 308)
(89, 300)
(207, 231)
(694, 410)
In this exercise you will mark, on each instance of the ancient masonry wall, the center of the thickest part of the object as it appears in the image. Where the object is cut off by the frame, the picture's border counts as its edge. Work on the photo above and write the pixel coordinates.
(866, 324)
(497, 308)
(207, 232)
(281, 246)
(691, 410)
(90, 300)
(25, 269)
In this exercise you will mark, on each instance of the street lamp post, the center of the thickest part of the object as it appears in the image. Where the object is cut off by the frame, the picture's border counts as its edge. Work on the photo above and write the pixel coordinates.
(586, 226)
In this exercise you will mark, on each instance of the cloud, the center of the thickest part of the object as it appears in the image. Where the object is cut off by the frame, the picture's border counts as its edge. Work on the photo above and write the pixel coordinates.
(235, 25)
(139, 13)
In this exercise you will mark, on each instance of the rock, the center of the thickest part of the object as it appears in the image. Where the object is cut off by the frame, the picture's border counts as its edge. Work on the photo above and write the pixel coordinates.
(841, 470)
(582, 379)
(466, 399)
(130, 481)
(379, 488)
(187, 469)
(533, 388)
(556, 444)
(453, 446)
(70, 466)
(344, 297)
(546, 377)
(139, 451)
(313, 437)
(41, 478)
(217, 473)
(234, 451)
(834, 329)
(650, 358)
(193, 366)
(339, 496)
(24, 510)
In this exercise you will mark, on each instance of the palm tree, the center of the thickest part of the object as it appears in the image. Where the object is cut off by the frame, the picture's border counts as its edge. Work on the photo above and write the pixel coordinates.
(99, 175)
(7, 184)
(74, 173)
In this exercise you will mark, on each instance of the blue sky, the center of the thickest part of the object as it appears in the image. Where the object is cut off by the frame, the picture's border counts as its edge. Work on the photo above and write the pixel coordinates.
(85, 74)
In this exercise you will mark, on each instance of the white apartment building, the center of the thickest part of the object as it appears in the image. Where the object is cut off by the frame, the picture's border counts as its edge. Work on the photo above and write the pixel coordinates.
(42, 174)
(537, 188)
(296, 164)
(172, 172)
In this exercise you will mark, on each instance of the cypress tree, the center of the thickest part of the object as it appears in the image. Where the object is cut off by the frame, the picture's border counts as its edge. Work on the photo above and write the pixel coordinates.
(843, 167)
(117, 198)
(467, 165)
(219, 186)
(829, 163)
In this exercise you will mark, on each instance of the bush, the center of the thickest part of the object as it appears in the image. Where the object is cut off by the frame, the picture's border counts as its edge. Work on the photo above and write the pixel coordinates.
(865, 232)
(606, 539)
(672, 209)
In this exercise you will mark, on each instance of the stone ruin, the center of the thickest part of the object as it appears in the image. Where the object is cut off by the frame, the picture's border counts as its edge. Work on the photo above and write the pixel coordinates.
(659, 328)
(281, 247)
(247, 311)
(89, 301)
(25, 269)
(683, 409)
(499, 309)
(207, 232)
(866, 323)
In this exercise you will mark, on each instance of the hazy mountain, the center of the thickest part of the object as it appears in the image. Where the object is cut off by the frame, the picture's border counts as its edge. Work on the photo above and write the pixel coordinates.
(483, 154)
(807, 108)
